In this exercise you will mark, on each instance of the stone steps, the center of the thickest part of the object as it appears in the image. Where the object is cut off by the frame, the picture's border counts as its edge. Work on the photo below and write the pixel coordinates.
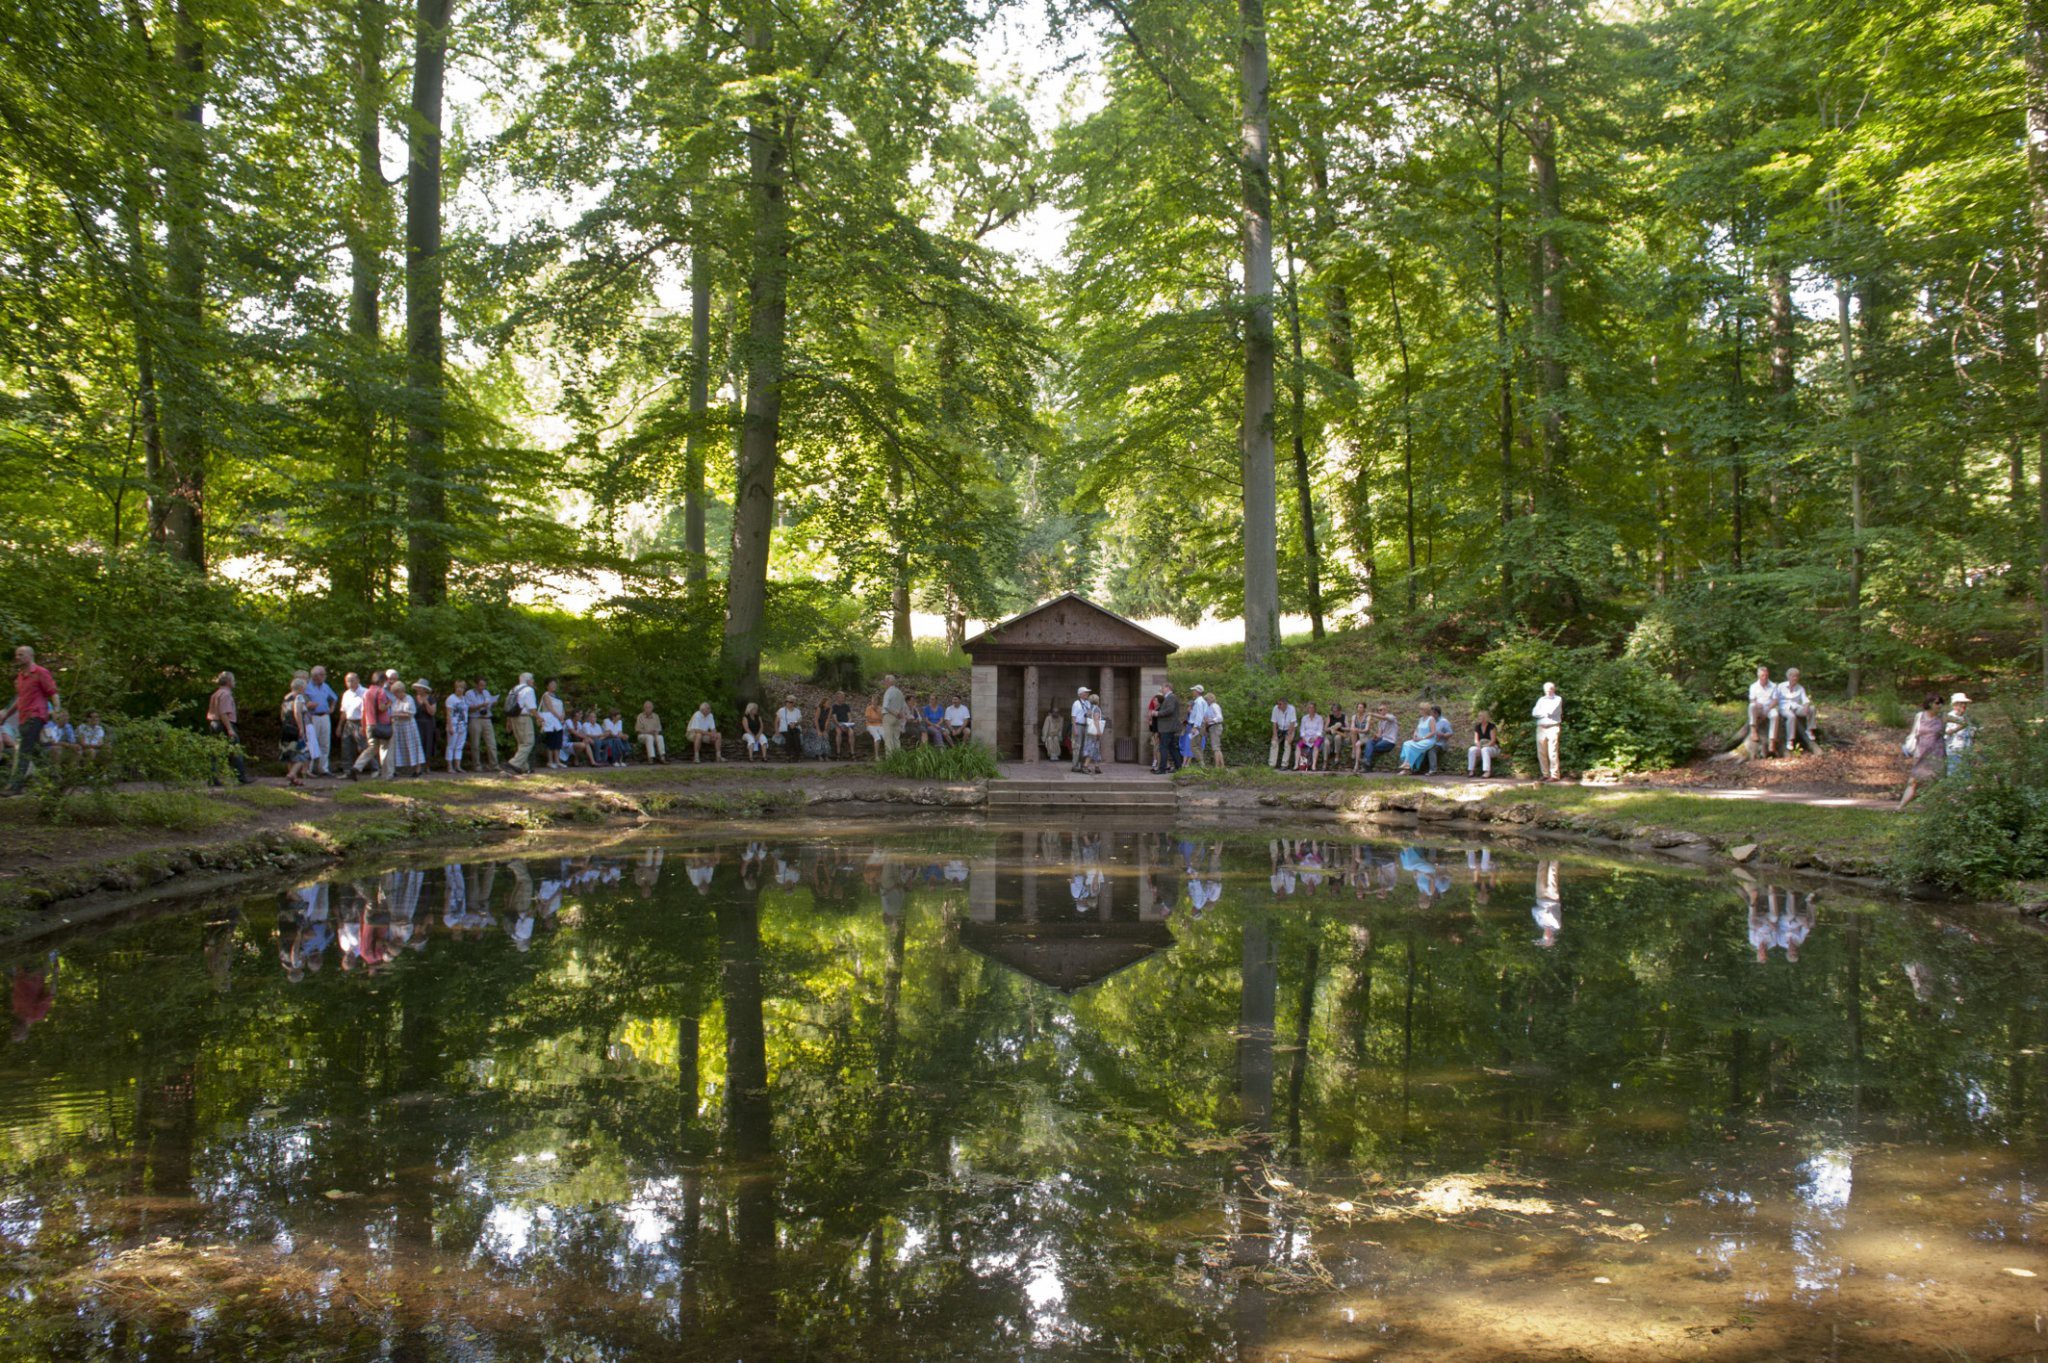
(1099, 793)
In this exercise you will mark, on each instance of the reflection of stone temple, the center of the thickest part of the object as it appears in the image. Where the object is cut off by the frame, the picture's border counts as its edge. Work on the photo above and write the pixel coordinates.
(1070, 909)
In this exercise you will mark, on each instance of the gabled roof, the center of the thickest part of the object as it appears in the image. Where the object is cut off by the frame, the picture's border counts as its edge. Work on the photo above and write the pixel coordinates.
(1068, 957)
(1044, 619)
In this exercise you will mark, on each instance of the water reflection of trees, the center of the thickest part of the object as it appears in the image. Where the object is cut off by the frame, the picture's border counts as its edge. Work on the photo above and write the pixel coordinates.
(758, 1100)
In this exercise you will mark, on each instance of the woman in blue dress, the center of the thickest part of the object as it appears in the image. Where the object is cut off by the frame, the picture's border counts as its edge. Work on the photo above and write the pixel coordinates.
(1430, 731)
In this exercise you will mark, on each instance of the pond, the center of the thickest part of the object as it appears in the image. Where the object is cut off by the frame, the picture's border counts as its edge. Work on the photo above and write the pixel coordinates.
(932, 1091)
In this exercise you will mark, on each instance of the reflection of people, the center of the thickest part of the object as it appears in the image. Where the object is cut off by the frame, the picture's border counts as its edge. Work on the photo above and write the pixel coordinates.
(1549, 909)
(33, 996)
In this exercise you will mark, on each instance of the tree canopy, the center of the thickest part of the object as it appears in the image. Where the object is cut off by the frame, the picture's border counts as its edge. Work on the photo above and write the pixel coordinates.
(1703, 330)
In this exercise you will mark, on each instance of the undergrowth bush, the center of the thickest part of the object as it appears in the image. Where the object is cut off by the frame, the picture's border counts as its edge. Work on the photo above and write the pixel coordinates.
(1986, 827)
(960, 762)
(76, 788)
(1619, 713)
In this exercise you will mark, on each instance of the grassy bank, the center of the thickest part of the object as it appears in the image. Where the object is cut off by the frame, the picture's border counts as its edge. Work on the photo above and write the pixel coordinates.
(1838, 840)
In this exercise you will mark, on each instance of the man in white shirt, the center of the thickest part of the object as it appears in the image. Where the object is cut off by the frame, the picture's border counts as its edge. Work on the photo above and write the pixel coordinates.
(1280, 752)
(703, 729)
(1763, 713)
(894, 708)
(1212, 729)
(958, 719)
(483, 730)
(789, 728)
(1549, 716)
(1197, 726)
(350, 742)
(519, 708)
(1079, 714)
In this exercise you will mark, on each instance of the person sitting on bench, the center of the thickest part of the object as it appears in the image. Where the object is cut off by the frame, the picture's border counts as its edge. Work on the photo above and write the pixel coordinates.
(1763, 713)
(1795, 715)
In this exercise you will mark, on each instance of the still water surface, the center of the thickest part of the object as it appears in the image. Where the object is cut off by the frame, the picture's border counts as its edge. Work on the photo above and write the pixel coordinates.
(940, 1092)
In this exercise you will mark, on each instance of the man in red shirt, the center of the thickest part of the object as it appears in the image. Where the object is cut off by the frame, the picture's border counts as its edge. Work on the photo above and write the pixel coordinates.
(34, 690)
(376, 755)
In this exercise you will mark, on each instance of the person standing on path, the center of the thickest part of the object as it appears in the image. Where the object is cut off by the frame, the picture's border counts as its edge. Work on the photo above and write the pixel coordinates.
(221, 718)
(1549, 716)
(34, 690)
(1170, 722)
(294, 719)
(348, 739)
(1079, 715)
(455, 716)
(483, 738)
(1927, 745)
(1280, 752)
(1212, 724)
(519, 708)
(893, 710)
(1959, 732)
(319, 735)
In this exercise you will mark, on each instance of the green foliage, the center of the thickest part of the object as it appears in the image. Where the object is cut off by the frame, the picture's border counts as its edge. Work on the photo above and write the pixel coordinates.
(75, 788)
(1986, 827)
(661, 646)
(958, 762)
(1620, 715)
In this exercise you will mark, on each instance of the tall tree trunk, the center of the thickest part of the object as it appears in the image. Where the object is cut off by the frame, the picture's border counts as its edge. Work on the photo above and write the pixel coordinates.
(1784, 381)
(1546, 321)
(2036, 46)
(352, 570)
(1407, 423)
(1851, 401)
(179, 382)
(1298, 419)
(1341, 353)
(698, 568)
(426, 538)
(770, 132)
(1504, 358)
(899, 561)
(1261, 533)
(1737, 397)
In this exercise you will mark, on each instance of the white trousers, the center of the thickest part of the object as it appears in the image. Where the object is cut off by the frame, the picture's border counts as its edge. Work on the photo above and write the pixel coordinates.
(654, 745)
(1476, 757)
(1546, 751)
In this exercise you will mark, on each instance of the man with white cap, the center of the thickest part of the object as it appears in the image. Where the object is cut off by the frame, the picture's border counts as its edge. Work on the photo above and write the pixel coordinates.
(1079, 714)
(1197, 724)
(1795, 714)
(1960, 730)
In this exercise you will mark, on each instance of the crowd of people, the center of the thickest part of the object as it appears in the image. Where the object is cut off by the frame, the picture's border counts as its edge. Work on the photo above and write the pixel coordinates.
(1312, 739)
(383, 728)
(377, 726)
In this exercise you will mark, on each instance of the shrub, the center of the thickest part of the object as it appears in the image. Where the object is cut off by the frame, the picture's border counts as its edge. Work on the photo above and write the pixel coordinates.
(1986, 827)
(1619, 715)
(960, 762)
(151, 751)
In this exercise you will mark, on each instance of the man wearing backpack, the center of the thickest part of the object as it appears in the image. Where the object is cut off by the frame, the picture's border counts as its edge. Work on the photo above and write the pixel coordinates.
(519, 708)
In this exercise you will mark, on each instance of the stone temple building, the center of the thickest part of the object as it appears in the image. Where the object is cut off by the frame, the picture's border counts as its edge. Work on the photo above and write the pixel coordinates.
(1035, 662)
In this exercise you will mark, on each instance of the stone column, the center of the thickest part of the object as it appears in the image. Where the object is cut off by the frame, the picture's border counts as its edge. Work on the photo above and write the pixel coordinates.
(981, 706)
(1031, 707)
(1109, 713)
